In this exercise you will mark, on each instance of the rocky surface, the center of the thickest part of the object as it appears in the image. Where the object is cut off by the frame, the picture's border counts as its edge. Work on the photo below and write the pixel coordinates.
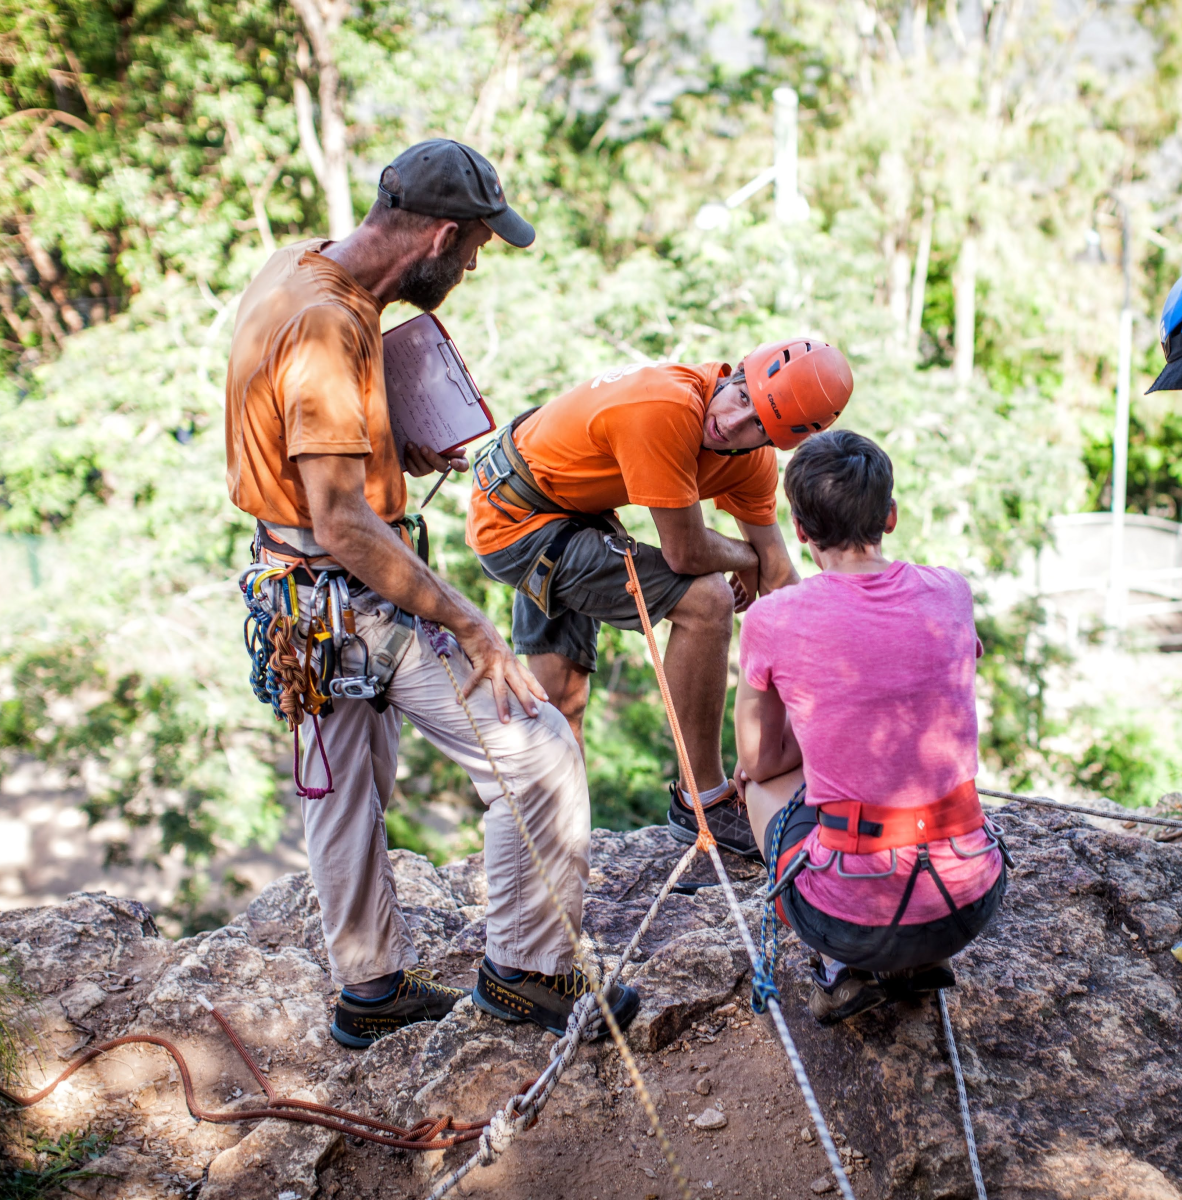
(1067, 1018)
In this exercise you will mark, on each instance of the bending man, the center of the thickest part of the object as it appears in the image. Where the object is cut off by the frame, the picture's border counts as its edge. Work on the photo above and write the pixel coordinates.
(311, 455)
(865, 673)
(666, 437)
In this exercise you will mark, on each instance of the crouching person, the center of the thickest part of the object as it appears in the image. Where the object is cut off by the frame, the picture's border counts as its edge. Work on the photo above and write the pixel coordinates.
(857, 736)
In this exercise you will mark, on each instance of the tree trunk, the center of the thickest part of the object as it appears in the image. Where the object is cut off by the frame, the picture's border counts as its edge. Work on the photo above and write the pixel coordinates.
(919, 278)
(966, 311)
(50, 276)
(329, 154)
(50, 329)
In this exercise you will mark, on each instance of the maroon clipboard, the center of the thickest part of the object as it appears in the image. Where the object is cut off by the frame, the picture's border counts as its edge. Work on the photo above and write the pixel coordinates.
(431, 396)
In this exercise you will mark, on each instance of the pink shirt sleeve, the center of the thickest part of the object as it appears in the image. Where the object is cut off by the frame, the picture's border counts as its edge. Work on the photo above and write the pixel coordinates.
(755, 642)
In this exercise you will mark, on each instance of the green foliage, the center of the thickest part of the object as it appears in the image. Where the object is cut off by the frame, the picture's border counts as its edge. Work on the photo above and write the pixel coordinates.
(15, 996)
(1123, 762)
(53, 1165)
(148, 155)
(1155, 465)
(1016, 670)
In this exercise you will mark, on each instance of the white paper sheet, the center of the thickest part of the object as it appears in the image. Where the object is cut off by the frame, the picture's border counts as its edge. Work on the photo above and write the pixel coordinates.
(432, 399)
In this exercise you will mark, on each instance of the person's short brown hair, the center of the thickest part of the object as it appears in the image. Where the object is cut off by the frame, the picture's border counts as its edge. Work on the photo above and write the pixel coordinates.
(839, 484)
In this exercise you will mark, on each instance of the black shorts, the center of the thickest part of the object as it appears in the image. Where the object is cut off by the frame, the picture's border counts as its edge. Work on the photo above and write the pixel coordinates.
(873, 947)
(589, 584)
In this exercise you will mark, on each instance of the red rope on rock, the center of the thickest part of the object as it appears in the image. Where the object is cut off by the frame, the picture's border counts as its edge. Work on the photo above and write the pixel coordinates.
(424, 1135)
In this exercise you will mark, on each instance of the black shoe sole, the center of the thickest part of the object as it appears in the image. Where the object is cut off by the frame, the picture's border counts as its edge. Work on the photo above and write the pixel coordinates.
(687, 837)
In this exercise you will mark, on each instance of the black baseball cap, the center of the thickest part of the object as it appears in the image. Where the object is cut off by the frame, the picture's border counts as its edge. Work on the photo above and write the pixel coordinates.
(442, 178)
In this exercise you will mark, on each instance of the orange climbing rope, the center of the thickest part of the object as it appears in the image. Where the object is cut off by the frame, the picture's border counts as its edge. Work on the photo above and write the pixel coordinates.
(424, 1135)
(705, 838)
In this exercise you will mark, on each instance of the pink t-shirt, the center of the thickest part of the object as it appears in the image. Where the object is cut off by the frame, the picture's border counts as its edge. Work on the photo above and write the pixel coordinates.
(877, 675)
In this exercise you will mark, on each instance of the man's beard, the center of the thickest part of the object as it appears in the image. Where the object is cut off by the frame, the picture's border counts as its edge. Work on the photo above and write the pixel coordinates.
(427, 282)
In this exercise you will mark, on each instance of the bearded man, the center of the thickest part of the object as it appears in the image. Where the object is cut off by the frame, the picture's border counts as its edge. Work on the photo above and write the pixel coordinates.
(311, 456)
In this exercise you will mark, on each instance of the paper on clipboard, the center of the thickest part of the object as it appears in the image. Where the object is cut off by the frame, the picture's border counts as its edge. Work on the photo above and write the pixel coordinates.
(432, 399)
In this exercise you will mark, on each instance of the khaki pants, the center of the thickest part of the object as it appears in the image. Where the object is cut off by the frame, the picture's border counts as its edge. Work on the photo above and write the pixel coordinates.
(364, 929)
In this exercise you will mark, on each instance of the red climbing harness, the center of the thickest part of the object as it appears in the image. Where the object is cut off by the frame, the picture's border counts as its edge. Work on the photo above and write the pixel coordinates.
(852, 827)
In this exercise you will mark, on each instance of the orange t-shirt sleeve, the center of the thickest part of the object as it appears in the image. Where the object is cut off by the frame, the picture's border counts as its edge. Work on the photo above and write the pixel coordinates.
(752, 497)
(320, 385)
(655, 444)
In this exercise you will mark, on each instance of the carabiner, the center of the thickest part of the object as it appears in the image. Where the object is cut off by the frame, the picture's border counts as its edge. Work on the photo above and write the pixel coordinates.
(337, 614)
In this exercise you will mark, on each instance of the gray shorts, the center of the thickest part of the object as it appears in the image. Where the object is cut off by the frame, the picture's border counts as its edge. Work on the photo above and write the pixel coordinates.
(587, 587)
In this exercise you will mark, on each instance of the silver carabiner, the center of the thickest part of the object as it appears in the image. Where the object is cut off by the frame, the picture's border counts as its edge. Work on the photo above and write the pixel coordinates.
(337, 608)
(991, 844)
(319, 606)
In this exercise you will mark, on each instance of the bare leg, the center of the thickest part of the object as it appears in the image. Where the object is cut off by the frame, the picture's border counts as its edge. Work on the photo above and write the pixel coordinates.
(569, 687)
(696, 664)
(766, 799)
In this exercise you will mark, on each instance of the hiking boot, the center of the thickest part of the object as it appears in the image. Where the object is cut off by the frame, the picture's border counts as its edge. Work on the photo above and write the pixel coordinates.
(548, 1000)
(358, 1022)
(915, 981)
(726, 818)
(850, 992)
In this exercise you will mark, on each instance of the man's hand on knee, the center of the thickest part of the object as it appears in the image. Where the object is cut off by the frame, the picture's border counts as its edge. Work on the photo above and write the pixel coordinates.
(492, 659)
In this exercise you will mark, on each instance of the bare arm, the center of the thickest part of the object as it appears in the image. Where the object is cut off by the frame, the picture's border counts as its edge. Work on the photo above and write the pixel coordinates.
(763, 734)
(690, 548)
(775, 569)
(345, 525)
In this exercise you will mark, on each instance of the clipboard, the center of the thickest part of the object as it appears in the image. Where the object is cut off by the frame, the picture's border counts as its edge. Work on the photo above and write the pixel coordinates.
(432, 399)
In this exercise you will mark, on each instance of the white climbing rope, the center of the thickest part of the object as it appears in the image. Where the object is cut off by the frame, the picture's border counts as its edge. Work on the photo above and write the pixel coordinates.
(518, 1114)
(773, 1005)
(1047, 802)
(966, 1117)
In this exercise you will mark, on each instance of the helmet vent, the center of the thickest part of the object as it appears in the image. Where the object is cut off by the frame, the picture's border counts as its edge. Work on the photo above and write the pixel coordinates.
(816, 426)
(807, 347)
(775, 366)
(800, 429)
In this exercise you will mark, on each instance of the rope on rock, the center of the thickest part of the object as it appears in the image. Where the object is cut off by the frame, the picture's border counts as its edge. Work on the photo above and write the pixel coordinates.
(966, 1117)
(1047, 802)
(521, 1112)
(424, 1135)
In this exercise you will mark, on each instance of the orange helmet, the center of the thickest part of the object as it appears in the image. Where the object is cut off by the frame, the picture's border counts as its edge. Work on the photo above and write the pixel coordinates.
(797, 387)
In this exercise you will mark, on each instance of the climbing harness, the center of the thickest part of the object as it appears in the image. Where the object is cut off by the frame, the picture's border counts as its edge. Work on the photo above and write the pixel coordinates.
(424, 1135)
(348, 669)
(502, 474)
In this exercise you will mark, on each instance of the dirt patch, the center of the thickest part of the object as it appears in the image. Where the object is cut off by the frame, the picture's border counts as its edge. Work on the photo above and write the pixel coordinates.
(760, 1152)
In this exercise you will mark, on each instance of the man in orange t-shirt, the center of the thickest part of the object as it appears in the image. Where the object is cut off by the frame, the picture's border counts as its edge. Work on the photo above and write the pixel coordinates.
(311, 455)
(665, 436)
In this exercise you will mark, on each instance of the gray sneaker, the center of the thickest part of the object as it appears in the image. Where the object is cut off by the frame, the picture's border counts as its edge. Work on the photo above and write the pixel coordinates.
(850, 993)
(548, 1000)
(726, 818)
(359, 1023)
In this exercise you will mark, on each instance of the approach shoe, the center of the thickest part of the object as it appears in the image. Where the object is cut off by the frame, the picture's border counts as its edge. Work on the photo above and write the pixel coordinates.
(726, 818)
(358, 1022)
(850, 992)
(548, 1000)
(917, 981)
